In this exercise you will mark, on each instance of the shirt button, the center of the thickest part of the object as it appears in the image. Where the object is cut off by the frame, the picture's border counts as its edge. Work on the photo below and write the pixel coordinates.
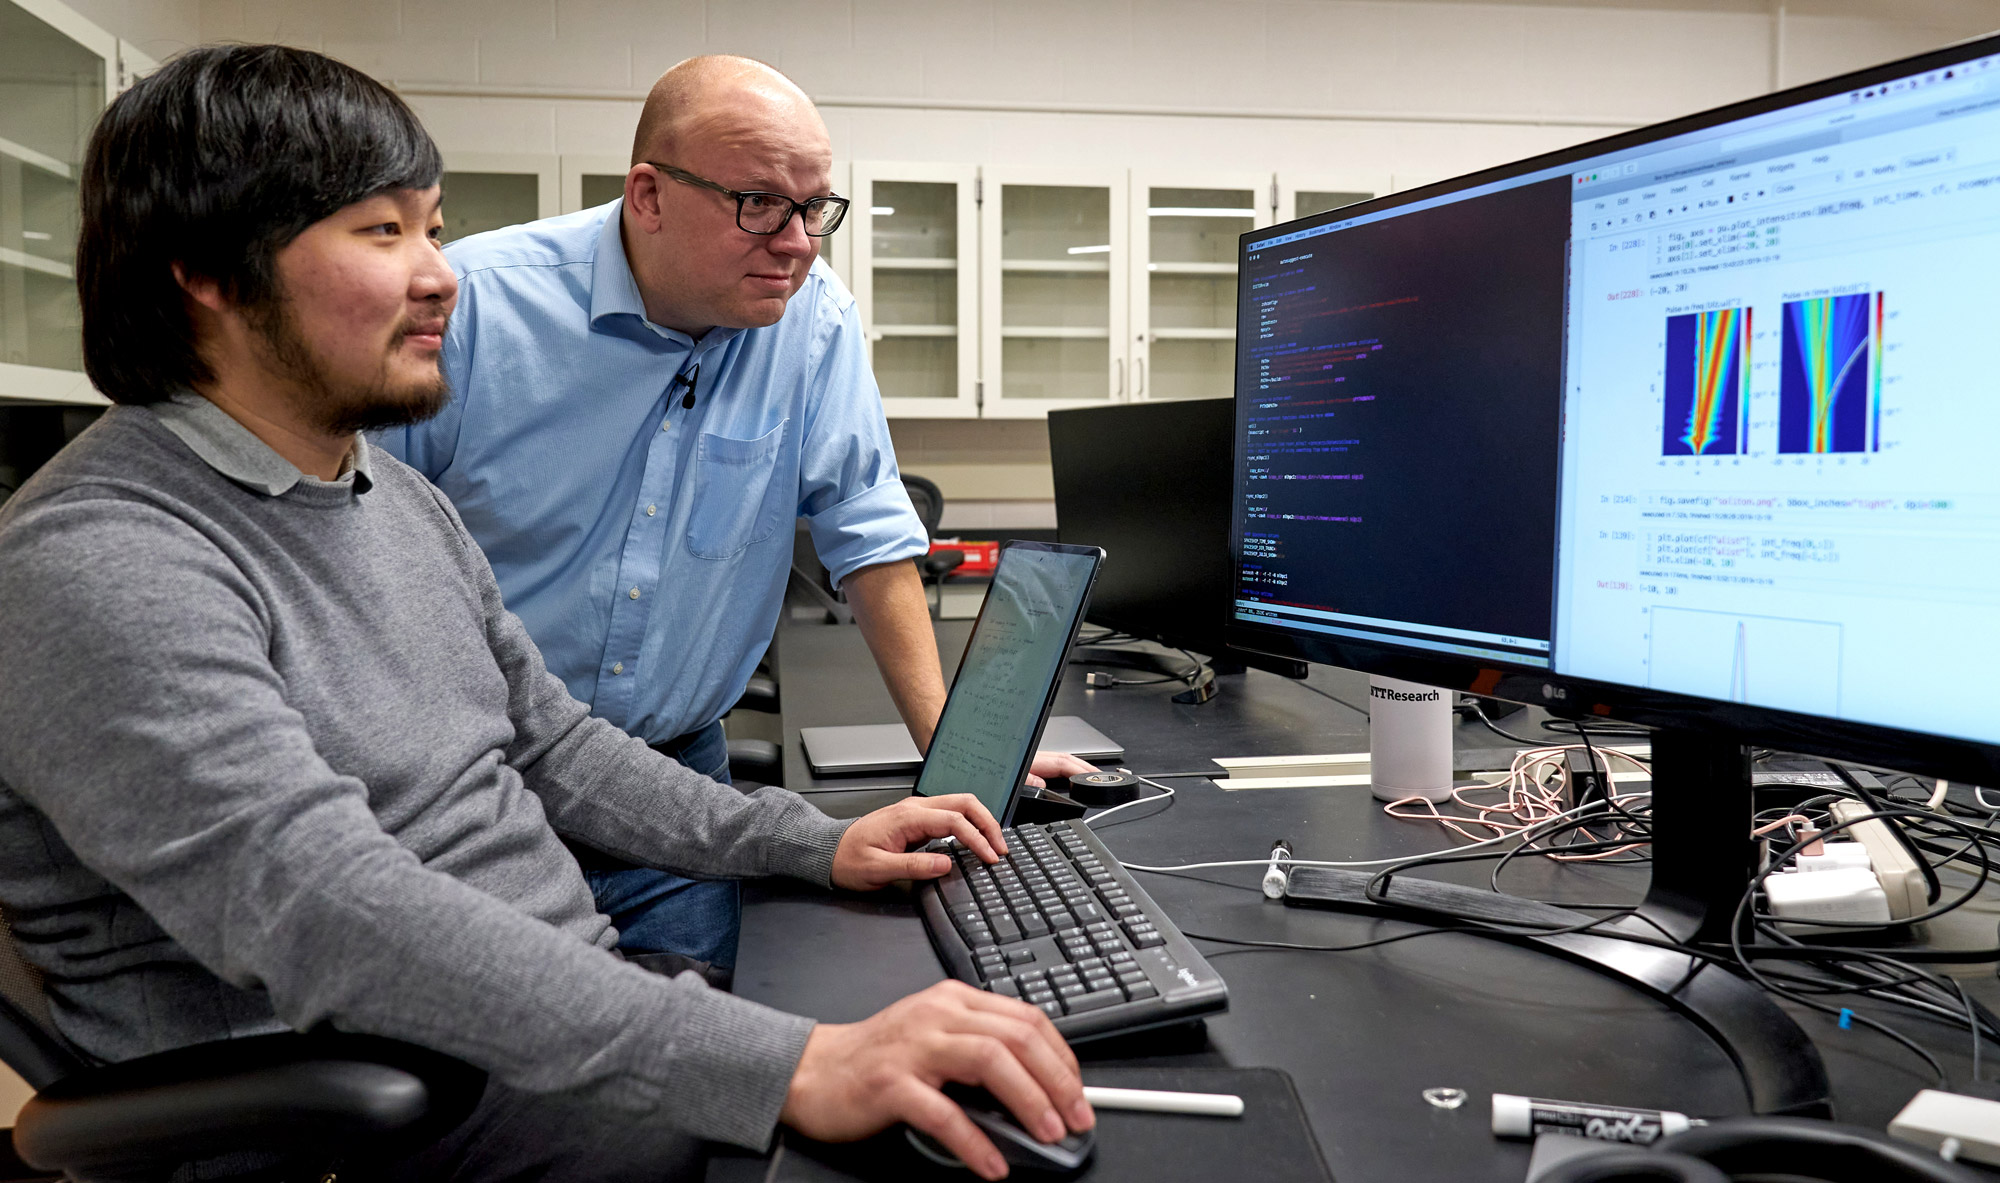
(666, 423)
(634, 593)
(651, 510)
(618, 667)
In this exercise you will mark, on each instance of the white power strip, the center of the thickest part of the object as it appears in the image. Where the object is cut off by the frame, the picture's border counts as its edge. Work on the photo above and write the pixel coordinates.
(1902, 882)
(1850, 895)
(1933, 1118)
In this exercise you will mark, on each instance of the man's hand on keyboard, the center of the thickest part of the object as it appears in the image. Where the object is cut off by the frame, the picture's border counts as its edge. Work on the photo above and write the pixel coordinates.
(1049, 764)
(856, 1078)
(875, 851)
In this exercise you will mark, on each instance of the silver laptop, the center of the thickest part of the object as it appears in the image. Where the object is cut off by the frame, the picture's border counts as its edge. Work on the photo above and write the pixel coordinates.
(887, 747)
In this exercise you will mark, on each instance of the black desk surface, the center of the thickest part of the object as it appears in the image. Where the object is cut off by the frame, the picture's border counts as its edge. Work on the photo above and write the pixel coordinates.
(1362, 1033)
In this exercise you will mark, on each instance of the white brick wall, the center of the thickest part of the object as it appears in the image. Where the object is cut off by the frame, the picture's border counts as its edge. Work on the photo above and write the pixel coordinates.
(1560, 61)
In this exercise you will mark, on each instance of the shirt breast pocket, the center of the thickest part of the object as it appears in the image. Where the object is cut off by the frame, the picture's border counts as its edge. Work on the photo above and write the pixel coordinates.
(738, 499)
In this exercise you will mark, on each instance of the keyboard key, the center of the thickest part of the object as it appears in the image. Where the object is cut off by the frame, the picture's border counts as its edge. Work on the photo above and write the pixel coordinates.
(1020, 956)
(1004, 986)
(1005, 930)
(1139, 989)
(956, 894)
(1069, 990)
(1033, 925)
(1088, 964)
(1122, 957)
(1150, 940)
(1052, 1009)
(1094, 1000)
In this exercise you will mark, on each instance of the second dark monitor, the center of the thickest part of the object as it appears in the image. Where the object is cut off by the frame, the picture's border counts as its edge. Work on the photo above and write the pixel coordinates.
(1151, 483)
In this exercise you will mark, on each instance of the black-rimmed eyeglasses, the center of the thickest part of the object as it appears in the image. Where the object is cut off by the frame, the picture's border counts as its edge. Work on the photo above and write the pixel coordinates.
(758, 212)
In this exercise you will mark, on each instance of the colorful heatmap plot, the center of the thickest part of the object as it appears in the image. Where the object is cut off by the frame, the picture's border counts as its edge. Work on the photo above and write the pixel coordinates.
(1706, 373)
(1830, 387)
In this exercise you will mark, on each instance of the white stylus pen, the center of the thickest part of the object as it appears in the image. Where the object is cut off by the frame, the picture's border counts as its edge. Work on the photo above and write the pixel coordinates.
(1157, 1101)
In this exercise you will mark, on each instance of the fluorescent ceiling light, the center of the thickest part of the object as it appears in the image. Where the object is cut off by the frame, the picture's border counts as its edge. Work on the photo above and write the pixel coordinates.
(882, 211)
(37, 235)
(1091, 250)
(1196, 211)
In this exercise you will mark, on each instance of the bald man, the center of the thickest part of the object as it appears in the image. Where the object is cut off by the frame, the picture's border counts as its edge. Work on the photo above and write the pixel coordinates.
(646, 395)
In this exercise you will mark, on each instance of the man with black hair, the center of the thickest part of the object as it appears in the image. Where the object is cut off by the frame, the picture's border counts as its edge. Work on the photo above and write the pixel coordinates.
(272, 752)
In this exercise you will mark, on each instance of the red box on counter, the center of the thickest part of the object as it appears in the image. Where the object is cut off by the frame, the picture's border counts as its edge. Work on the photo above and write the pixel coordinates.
(980, 557)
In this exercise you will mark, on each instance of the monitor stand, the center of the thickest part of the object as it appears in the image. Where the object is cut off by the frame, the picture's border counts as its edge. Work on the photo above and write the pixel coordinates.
(1703, 860)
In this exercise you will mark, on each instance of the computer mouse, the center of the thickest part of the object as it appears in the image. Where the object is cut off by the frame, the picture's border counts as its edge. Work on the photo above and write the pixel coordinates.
(1024, 1154)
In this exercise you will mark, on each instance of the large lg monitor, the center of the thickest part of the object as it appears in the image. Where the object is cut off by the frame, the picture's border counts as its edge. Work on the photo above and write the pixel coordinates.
(1687, 427)
(1690, 426)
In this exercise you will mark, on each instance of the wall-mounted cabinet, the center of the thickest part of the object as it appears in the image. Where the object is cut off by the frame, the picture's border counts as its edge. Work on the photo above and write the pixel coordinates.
(1185, 229)
(57, 72)
(1301, 195)
(1053, 291)
(913, 234)
(1010, 292)
(486, 191)
(589, 181)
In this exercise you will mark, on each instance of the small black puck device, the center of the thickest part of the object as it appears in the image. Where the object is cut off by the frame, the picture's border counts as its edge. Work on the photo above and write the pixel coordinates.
(1106, 787)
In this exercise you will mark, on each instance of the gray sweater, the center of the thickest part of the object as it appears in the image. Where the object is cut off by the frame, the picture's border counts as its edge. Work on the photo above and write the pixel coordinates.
(273, 754)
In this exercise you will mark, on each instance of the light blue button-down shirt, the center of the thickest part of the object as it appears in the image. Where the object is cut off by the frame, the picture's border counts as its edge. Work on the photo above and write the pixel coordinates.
(646, 544)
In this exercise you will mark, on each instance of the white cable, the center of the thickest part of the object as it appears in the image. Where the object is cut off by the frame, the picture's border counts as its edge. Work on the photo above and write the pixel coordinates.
(1937, 794)
(1979, 795)
(1528, 834)
(1091, 821)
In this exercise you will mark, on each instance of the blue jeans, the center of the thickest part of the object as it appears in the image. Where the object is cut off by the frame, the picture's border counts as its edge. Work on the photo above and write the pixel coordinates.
(656, 912)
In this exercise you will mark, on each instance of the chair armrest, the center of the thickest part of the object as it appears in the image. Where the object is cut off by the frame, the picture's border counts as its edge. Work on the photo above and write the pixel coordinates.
(760, 695)
(940, 563)
(358, 1096)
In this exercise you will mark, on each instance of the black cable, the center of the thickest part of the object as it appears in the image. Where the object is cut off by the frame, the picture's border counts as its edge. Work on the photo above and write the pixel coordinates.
(1615, 731)
(1743, 908)
(1479, 712)
(1427, 931)
(1335, 697)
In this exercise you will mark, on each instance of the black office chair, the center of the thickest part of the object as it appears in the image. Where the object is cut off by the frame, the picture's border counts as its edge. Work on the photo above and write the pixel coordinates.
(269, 1102)
(928, 501)
(758, 761)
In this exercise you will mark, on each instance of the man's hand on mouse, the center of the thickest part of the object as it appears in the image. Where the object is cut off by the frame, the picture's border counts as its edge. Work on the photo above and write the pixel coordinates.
(875, 851)
(856, 1079)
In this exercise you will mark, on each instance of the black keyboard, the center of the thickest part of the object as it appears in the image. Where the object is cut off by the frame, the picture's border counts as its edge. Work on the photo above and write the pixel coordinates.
(1060, 924)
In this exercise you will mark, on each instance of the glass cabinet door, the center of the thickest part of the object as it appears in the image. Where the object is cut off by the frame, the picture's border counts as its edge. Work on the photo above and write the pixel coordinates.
(56, 74)
(486, 191)
(1053, 290)
(589, 180)
(1301, 196)
(1185, 233)
(909, 232)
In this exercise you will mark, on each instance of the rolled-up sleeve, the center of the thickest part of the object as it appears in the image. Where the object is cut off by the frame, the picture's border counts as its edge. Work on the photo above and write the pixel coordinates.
(851, 492)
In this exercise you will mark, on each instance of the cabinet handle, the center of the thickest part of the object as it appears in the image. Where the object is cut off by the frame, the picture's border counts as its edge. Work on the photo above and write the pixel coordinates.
(1138, 377)
(1120, 363)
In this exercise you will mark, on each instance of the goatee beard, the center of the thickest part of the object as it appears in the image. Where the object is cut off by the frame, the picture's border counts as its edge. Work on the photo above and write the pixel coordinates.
(343, 408)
